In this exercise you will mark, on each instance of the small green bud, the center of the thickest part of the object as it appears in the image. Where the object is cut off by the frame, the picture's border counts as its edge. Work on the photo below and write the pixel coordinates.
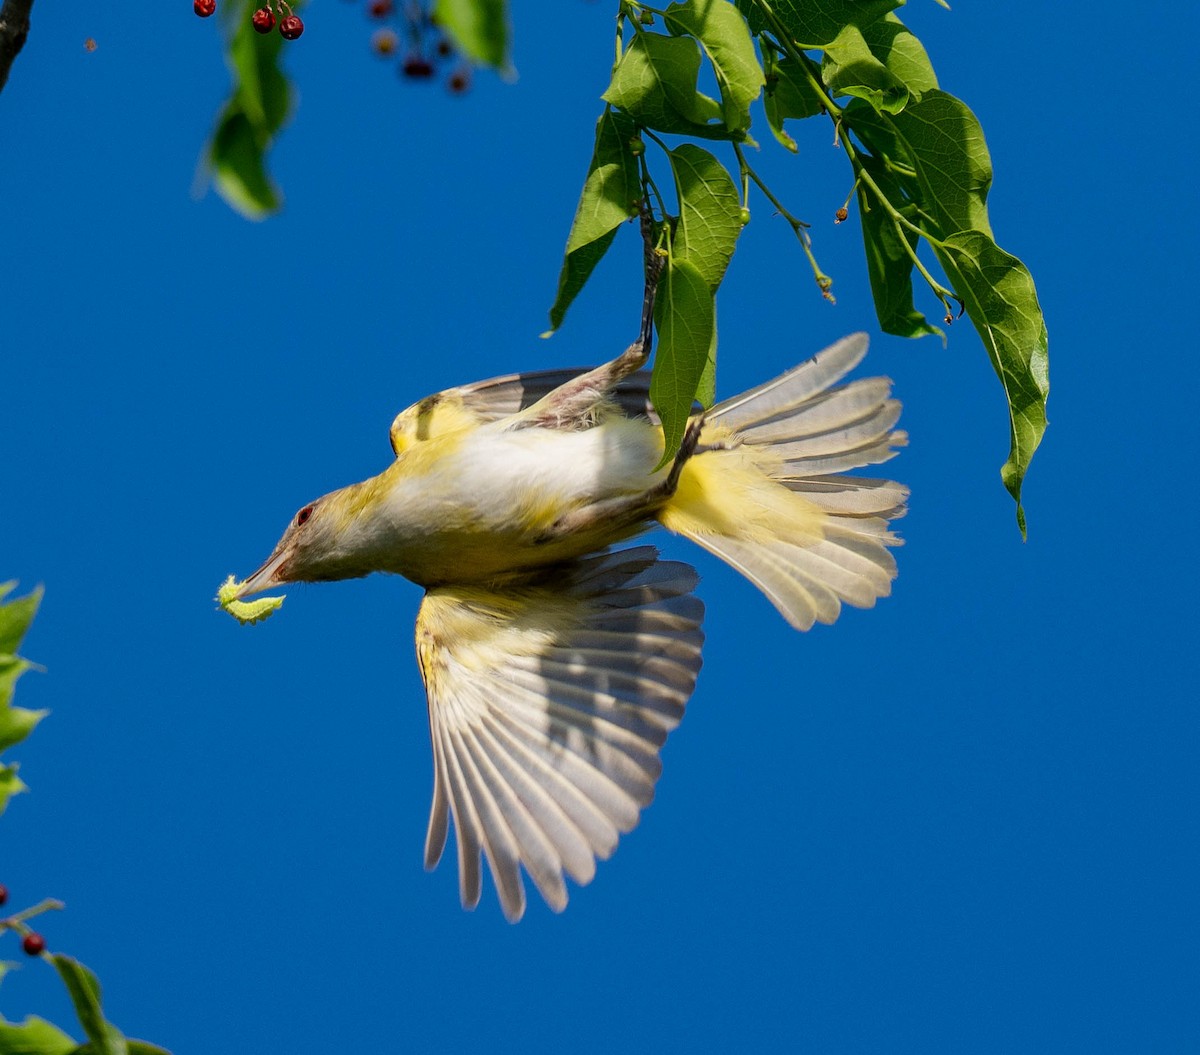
(637, 146)
(744, 216)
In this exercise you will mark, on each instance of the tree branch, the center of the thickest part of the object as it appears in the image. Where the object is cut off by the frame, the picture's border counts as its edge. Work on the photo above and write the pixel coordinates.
(14, 28)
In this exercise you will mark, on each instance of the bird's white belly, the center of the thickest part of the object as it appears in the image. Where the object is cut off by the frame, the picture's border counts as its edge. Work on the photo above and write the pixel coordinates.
(486, 506)
(500, 473)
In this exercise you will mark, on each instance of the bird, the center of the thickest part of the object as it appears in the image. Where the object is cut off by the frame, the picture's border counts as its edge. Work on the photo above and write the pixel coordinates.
(555, 663)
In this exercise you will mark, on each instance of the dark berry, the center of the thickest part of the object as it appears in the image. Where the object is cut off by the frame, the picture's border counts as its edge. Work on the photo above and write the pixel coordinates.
(444, 48)
(417, 68)
(33, 943)
(291, 27)
(3, 893)
(379, 8)
(263, 20)
(204, 8)
(458, 82)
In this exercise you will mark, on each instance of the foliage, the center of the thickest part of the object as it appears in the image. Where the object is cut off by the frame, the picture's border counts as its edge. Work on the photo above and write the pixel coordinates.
(16, 723)
(919, 172)
(35, 1036)
(919, 163)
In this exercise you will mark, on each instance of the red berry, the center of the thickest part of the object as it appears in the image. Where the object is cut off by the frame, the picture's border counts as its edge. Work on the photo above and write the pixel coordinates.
(263, 20)
(34, 943)
(204, 8)
(417, 68)
(291, 27)
(3, 893)
(379, 8)
(840, 215)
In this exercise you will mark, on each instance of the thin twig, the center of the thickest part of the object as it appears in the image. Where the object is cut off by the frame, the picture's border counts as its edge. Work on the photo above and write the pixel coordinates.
(17, 920)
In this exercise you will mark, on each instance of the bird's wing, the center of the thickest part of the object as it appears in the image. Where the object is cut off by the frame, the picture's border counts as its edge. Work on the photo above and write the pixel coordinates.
(501, 397)
(548, 703)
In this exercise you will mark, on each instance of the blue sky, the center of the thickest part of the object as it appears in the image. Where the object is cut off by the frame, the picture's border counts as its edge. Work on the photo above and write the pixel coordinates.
(963, 821)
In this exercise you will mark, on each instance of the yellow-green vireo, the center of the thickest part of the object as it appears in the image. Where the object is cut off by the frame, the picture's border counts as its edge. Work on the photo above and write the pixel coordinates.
(555, 668)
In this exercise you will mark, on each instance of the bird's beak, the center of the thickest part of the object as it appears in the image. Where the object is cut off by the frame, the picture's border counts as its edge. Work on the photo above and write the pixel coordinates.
(269, 576)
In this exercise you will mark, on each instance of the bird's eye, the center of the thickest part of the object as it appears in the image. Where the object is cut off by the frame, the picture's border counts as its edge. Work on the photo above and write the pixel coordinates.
(303, 515)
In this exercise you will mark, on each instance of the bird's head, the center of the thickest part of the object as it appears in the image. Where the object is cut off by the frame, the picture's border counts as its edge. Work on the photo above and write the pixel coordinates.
(311, 549)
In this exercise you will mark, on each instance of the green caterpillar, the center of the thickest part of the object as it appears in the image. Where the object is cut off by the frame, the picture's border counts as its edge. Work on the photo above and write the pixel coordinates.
(245, 611)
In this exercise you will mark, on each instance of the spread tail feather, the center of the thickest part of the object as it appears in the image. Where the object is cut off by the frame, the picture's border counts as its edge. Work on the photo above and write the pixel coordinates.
(766, 494)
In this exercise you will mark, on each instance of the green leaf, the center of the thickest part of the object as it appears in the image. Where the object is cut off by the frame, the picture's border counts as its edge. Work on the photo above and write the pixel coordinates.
(933, 164)
(722, 33)
(945, 144)
(1002, 303)
(10, 784)
(849, 67)
(15, 616)
(104, 1038)
(256, 110)
(16, 723)
(655, 83)
(611, 194)
(237, 154)
(753, 14)
(684, 316)
(141, 1047)
(706, 387)
(789, 94)
(34, 1036)
(710, 222)
(894, 44)
(710, 212)
(814, 25)
(479, 27)
(889, 264)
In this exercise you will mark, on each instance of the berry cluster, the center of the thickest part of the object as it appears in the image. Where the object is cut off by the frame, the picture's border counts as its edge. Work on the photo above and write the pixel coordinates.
(425, 46)
(272, 13)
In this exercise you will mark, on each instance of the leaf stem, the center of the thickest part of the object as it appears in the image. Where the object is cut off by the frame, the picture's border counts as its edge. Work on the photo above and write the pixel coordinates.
(17, 920)
(798, 226)
(901, 223)
(648, 184)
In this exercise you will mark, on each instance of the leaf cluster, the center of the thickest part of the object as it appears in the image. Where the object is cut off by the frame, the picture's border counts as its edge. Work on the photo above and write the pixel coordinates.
(919, 170)
(36, 1036)
(16, 723)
